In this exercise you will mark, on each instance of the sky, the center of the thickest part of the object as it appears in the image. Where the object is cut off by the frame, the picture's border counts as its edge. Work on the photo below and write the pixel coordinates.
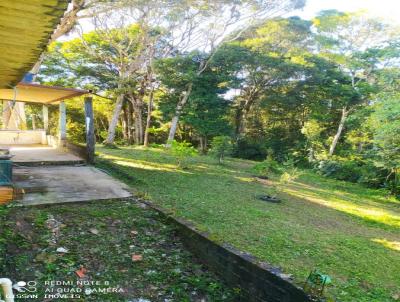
(389, 10)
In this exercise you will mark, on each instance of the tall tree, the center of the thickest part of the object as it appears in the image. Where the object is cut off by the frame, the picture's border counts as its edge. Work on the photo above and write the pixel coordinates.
(221, 19)
(349, 40)
(270, 56)
(206, 110)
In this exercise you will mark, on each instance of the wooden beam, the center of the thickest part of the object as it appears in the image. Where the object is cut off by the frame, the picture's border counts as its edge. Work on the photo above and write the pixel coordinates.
(89, 122)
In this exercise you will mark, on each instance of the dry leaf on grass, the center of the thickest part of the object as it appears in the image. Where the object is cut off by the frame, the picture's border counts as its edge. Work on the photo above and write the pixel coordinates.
(81, 272)
(136, 257)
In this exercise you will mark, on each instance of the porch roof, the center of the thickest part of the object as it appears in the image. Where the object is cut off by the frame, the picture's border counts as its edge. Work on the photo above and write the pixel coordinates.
(35, 93)
(25, 29)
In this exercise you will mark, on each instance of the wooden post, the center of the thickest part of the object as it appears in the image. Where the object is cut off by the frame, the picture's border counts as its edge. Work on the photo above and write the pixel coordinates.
(63, 125)
(90, 138)
(45, 112)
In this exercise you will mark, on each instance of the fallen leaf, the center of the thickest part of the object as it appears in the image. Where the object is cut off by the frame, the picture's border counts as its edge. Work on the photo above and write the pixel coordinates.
(62, 250)
(136, 257)
(94, 231)
(396, 297)
(81, 272)
(134, 232)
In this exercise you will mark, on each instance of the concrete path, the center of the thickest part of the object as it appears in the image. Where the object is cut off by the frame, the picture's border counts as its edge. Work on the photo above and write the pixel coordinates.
(61, 184)
(41, 154)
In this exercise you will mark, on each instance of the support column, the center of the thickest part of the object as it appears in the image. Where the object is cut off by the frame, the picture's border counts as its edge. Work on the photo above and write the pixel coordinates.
(89, 122)
(45, 112)
(63, 125)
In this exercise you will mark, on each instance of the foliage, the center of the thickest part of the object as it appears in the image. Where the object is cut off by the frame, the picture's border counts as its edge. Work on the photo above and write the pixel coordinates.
(268, 167)
(386, 125)
(206, 110)
(221, 146)
(290, 171)
(355, 170)
(182, 151)
(250, 148)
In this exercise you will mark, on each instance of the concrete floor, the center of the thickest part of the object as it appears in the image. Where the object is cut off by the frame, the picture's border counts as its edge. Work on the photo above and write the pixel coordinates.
(40, 154)
(61, 184)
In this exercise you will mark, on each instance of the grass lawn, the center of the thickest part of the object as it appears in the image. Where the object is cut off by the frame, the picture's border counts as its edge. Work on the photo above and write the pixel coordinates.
(346, 231)
(119, 242)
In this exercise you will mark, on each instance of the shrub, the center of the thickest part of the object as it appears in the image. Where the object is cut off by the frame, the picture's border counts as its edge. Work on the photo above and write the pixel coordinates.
(221, 146)
(353, 170)
(341, 170)
(267, 167)
(182, 151)
(290, 171)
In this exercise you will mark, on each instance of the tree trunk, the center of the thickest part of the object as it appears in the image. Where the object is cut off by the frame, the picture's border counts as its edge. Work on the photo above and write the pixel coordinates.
(201, 143)
(125, 127)
(339, 131)
(242, 112)
(114, 120)
(148, 120)
(205, 145)
(138, 125)
(137, 103)
(178, 111)
(130, 123)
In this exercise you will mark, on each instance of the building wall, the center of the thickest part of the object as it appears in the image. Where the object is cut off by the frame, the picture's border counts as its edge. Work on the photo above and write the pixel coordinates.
(22, 137)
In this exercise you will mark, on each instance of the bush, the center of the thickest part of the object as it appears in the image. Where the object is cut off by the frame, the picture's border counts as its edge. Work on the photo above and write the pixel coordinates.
(341, 170)
(268, 167)
(182, 151)
(353, 170)
(221, 146)
(290, 171)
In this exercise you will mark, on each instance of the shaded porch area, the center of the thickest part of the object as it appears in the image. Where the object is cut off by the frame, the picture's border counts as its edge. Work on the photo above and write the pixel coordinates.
(47, 168)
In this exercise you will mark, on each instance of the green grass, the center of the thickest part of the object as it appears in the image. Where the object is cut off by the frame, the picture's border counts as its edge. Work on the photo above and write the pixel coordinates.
(102, 237)
(346, 231)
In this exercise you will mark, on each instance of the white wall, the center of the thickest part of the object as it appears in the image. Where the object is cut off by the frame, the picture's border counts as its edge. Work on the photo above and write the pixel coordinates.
(23, 137)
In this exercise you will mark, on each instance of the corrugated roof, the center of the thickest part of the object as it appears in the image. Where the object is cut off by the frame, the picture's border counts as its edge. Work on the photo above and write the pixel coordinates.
(25, 29)
(35, 93)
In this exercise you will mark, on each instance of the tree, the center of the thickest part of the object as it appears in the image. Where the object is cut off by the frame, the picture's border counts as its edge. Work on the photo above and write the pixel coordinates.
(220, 19)
(351, 40)
(269, 56)
(206, 111)
(221, 146)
